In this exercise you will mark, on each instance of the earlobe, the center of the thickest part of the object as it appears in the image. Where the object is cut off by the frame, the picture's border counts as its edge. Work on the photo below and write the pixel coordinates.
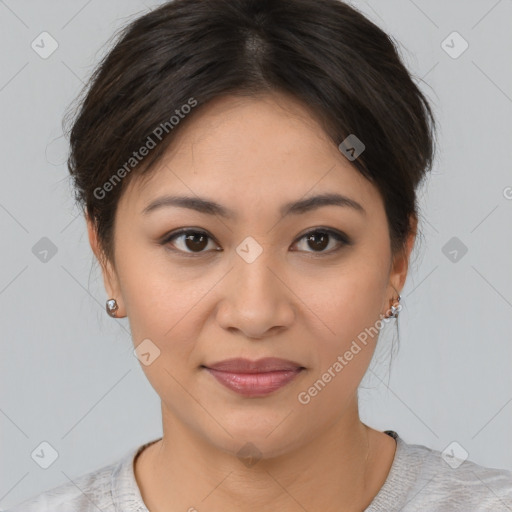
(400, 265)
(114, 303)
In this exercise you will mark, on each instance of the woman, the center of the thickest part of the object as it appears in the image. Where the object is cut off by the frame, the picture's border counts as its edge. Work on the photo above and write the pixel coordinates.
(248, 171)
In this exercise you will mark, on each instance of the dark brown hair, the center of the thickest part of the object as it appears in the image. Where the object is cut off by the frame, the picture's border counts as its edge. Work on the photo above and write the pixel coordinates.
(168, 63)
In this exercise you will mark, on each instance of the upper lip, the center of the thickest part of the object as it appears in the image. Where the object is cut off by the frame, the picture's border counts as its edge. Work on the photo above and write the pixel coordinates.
(266, 364)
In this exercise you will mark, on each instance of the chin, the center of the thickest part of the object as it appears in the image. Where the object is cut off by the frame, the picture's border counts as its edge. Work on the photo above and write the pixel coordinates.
(257, 440)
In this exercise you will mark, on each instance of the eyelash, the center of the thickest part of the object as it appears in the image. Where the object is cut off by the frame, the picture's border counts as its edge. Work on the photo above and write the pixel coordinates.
(341, 238)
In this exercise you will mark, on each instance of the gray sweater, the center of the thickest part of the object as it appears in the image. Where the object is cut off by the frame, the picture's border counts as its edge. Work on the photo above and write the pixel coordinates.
(420, 479)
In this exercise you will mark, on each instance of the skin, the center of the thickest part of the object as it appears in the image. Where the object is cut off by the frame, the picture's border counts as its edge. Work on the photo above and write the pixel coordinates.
(252, 155)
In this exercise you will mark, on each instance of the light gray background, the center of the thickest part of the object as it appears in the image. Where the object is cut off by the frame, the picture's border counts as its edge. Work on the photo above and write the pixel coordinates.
(68, 375)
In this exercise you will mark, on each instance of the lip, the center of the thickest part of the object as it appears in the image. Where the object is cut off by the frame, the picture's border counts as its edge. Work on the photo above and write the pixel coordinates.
(265, 364)
(254, 378)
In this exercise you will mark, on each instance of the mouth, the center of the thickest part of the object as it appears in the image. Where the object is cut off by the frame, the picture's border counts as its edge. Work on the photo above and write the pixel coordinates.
(254, 378)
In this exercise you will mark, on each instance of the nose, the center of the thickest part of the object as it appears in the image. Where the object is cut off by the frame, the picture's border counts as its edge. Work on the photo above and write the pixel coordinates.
(256, 299)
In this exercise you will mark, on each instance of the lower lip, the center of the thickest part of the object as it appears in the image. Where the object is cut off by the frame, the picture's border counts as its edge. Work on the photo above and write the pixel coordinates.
(255, 384)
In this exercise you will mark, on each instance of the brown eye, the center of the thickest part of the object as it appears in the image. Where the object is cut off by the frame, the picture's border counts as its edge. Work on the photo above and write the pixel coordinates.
(189, 241)
(196, 241)
(319, 239)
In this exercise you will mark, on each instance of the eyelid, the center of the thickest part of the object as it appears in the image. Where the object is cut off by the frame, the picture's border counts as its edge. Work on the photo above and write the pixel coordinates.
(339, 236)
(166, 239)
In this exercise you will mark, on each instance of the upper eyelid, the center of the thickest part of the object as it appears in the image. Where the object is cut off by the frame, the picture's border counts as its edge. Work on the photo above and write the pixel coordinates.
(186, 231)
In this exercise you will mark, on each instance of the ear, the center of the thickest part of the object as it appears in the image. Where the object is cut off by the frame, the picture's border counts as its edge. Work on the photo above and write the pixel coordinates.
(110, 278)
(400, 264)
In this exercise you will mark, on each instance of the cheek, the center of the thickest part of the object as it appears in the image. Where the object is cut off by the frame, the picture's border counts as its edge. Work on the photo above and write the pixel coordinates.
(164, 311)
(349, 309)
(159, 304)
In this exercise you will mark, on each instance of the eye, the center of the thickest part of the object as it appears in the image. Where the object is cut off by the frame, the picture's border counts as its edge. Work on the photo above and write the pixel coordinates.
(190, 241)
(319, 239)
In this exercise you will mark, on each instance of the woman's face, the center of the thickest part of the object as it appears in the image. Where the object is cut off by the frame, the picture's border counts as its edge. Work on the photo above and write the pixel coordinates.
(258, 283)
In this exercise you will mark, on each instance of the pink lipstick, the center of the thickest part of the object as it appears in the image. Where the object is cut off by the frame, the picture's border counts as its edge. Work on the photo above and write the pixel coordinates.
(254, 378)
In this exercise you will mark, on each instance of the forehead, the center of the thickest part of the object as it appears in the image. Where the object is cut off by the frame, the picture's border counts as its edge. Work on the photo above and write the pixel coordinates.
(264, 149)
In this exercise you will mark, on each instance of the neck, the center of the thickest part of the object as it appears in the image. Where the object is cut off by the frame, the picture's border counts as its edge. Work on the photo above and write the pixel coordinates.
(341, 469)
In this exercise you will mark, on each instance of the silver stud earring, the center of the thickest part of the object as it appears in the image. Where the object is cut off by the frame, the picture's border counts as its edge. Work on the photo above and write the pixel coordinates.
(112, 307)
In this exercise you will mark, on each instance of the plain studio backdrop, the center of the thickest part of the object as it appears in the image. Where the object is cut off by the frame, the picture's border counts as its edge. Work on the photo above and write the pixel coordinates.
(68, 374)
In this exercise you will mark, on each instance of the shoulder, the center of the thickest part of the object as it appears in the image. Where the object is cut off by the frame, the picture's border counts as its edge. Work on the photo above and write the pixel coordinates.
(444, 482)
(87, 493)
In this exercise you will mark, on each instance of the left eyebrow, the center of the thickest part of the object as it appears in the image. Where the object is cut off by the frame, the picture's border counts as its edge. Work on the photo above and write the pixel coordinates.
(209, 207)
(312, 203)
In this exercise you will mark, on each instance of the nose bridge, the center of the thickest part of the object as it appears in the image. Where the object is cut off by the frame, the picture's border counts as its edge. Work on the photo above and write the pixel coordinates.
(254, 301)
(252, 266)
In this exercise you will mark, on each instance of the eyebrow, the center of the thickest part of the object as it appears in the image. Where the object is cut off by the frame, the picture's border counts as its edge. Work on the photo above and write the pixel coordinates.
(209, 207)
